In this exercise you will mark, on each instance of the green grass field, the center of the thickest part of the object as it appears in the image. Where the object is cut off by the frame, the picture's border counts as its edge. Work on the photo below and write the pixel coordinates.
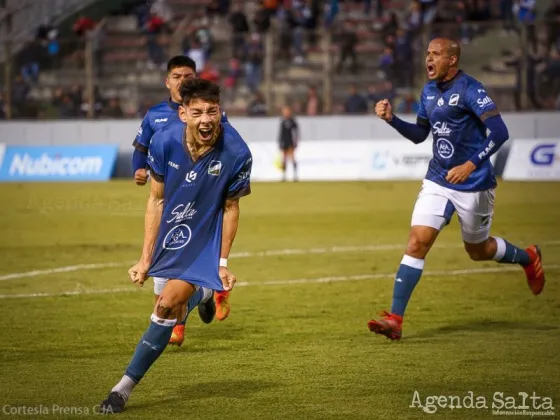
(296, 345)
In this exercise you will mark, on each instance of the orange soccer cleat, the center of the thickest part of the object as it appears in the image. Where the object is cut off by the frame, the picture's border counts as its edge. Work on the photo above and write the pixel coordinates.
(222, 305)
(390, 325)
(177, 336)
(534, 271)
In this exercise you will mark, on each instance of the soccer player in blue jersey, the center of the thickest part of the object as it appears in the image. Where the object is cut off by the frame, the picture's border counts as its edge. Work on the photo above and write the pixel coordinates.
(179, 68)
(200, 172)
(456, 108)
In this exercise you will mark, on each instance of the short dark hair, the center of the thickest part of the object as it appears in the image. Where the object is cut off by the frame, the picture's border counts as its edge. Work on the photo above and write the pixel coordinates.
(181, 61)
(192, 89)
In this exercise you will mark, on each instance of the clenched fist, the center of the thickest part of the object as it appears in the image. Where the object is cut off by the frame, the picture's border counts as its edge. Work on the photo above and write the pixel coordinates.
(141, 176)
(384, 110)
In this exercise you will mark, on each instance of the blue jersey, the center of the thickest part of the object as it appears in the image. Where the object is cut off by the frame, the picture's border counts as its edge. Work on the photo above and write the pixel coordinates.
(189, 239)
(157, 118)
(456, 111)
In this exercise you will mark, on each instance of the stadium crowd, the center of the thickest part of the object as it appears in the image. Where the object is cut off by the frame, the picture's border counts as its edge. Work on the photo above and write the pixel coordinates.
(299, 25)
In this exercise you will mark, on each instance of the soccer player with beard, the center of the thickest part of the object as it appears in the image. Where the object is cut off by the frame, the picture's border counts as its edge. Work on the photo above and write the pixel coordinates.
(200, 171)
(456, 108)
(164, 114)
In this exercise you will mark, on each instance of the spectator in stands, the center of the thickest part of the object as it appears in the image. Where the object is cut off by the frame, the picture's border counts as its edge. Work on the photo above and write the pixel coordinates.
(387, 90)
(154, 27)
(76, 95)
(428, 10)
(331, 12)
(257, 107)
(373, 95)
(262, 19)
(355, 103)
(30, 61)
(210, 72)
(204, 37)
(214, 10)
(386, 63)
(313, 104)
(403, 56)
(271, 6)
(83, 25)
(231, 80)
(409, 105)
(284, 19)
(348, 40)
(527, 15)
(254, 56)
(113, 110)
(506, 14)
(463, 31)
(240, 27)
(20, 94)
(196, 53)
(301, 14)
(552, 18)
(161, 9)
(390, 26)
(66, 108)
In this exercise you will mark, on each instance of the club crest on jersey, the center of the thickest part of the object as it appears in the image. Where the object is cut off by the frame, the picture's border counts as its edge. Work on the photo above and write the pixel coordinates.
(215, 168)
(444, 148)
(454, 99)
(440, 102)
(178, 237)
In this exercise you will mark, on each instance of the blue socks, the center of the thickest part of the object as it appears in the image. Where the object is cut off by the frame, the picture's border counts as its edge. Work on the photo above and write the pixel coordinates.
(155, 340)
(507, 253)
(407, 278)
(151, 345)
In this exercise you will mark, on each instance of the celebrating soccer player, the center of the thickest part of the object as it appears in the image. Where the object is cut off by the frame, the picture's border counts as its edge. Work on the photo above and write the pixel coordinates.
(179, 68)
(200, 171)
(456, 108)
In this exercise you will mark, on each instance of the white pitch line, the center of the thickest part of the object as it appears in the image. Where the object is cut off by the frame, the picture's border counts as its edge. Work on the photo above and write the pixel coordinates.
(270, 253)
(330, 279)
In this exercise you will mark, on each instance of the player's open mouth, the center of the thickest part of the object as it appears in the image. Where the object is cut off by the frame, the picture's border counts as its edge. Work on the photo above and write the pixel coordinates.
(431, 70)
(205, 133)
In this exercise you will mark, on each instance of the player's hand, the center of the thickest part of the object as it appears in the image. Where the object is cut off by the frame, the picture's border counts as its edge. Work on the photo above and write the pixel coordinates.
(139, 273)
(460, 173)
(384, 110)
(141, 176)
(227, 277)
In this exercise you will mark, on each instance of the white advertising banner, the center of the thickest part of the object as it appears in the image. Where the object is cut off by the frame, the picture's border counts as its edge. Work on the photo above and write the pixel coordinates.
(536, 160)
(348, 160)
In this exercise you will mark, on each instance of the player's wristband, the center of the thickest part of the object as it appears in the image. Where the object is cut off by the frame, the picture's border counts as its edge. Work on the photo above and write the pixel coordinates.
(223, 262)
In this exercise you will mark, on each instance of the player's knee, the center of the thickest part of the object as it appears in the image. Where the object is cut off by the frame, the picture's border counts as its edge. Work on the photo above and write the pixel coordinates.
(417, 247)
(165, 308)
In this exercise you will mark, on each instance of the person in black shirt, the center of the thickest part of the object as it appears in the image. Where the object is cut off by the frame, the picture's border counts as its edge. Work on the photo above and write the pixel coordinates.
(288, 140)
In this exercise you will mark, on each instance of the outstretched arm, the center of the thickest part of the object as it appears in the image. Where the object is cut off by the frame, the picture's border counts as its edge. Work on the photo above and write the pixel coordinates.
(416, 133)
